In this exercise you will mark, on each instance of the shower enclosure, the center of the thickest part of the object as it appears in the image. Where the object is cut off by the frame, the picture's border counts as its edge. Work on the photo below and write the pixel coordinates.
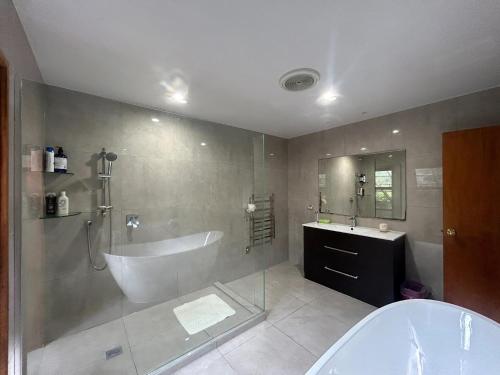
(159, 259)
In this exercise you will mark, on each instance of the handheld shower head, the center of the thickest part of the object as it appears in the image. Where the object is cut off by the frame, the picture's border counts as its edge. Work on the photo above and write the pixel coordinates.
(110, 157)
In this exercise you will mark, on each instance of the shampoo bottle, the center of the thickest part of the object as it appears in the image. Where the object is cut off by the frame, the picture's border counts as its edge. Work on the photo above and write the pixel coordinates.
(62, 204)
(49, 159)
(60, 161)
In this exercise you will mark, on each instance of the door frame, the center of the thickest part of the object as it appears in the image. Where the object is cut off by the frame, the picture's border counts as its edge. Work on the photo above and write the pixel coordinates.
(4, 214)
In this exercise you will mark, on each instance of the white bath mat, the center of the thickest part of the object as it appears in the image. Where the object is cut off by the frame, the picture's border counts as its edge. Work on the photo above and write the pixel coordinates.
(202, 313)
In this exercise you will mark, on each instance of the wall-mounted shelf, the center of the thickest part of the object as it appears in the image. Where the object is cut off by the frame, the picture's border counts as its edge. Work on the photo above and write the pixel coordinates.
(53, 173)
(43, 217)
(58, 173)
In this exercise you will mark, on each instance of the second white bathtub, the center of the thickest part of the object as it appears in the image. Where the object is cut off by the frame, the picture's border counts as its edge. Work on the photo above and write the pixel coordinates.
(416, 337)
(160, 270)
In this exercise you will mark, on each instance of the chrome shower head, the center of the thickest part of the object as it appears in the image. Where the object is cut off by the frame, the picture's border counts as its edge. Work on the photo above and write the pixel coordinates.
(110, 157)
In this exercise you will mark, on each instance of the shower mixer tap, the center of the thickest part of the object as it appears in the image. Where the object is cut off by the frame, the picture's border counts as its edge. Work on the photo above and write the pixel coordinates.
(103, 210)
(132, 221)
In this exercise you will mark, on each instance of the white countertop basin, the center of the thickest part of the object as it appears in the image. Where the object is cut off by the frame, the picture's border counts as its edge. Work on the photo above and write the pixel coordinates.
(360, 231)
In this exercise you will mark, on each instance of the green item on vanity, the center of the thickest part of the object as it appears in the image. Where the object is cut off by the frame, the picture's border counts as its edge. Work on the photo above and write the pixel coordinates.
(325, 221)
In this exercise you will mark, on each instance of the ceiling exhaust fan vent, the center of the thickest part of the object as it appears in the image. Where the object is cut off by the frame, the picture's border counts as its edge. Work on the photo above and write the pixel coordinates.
(299, 79)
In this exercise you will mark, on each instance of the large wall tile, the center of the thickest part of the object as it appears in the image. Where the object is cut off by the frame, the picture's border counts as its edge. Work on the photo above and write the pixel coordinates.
(425, 224)
(478, 109)
(81, 122)
(75, 303)
(332, 142)
(374, 135)
(425, 263)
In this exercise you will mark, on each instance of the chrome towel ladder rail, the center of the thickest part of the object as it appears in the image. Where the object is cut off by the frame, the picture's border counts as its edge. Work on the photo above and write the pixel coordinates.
(262, 220)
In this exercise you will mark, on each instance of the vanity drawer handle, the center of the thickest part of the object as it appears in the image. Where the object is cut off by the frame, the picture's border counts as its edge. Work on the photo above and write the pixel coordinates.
(341, 273)
(340, 250)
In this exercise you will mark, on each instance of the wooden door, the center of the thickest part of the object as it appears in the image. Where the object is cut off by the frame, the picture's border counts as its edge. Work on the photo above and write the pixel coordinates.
(471, 221)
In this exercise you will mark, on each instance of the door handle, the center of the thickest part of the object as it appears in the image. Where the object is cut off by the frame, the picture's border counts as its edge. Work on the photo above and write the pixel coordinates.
(450, 232)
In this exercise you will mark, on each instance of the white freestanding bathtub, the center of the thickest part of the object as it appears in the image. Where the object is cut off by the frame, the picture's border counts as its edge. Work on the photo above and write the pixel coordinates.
(161, 270)
(416, 337)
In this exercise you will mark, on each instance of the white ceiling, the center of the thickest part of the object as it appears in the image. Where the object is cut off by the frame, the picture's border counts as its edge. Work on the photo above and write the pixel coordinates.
(381, 56)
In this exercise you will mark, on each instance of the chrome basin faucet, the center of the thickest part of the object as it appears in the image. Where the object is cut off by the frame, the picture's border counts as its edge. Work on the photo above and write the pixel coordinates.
(353, 221)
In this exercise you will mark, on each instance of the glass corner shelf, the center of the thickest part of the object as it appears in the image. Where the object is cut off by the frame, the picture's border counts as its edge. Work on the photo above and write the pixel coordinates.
(58, 173)
(74, 213)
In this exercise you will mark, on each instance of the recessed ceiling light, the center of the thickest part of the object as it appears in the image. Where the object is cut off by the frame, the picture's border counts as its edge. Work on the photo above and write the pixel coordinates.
(178, 97)
(390, 156)
(271, 154)
(203, 144)
(328, 154)
(327, 98)
(363, 149)
(154, 119)
(395, 131)
(176, 88)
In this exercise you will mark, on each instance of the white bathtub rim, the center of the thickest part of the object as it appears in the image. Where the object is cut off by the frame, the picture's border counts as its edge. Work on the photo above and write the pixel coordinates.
(219, 235)
(326, 356)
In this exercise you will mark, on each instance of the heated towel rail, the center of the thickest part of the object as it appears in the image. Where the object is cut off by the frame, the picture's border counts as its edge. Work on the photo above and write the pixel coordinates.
(262, 220)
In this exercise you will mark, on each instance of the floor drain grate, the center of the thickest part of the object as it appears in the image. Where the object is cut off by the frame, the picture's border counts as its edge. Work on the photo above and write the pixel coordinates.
(111, 353)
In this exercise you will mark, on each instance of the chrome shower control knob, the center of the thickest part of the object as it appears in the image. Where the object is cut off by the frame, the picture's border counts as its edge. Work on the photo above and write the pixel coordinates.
(132, 221)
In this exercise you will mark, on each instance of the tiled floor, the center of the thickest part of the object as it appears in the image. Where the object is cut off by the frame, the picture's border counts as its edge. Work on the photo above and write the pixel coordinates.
(149, 338)
(304, 320)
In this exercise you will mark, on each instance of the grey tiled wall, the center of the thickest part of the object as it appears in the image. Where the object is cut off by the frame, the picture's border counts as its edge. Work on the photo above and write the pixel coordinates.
(163, 174)
(420, 134)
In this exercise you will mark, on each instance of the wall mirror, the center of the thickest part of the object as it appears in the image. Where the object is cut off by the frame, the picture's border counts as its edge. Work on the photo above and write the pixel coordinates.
(366, 185)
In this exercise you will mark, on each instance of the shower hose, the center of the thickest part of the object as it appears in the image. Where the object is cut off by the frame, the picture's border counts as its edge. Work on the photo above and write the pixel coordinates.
(89, 248)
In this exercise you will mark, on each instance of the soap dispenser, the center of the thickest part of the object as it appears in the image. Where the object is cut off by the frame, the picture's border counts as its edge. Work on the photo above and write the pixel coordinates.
(60, 161)
(62, 204)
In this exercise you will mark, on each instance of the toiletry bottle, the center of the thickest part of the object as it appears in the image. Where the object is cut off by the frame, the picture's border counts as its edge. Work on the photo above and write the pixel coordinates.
(60, 161)
(62, 204)
(36, 159)
(49, 159)
(50, 204)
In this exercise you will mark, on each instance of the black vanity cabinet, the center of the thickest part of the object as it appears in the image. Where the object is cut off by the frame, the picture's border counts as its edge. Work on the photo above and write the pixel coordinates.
(369, 269)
